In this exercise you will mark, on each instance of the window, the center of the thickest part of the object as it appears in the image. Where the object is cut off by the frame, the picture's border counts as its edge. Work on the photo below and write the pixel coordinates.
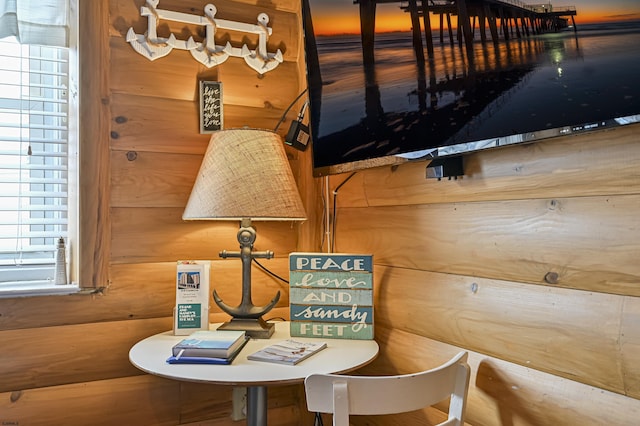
(36, 164)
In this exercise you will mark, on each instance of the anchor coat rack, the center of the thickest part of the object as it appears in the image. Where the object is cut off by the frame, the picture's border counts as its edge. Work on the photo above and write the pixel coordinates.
(206, 52)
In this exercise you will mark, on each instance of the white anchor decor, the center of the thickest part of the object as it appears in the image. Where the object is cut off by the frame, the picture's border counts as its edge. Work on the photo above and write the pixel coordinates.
(207, 52)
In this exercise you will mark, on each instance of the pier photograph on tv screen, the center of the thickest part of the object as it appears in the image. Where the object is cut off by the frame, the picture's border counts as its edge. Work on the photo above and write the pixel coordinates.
(478, 74)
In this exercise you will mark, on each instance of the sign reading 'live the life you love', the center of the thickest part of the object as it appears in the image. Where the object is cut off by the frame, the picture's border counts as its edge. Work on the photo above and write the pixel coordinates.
(211, 111)
(331, 295)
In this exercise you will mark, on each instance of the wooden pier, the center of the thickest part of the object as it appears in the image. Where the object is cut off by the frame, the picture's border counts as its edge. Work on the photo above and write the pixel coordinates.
(505, 19)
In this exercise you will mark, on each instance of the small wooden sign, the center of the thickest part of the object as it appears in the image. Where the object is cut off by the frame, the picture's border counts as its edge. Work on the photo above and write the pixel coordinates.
(211, 114)
(331, 295)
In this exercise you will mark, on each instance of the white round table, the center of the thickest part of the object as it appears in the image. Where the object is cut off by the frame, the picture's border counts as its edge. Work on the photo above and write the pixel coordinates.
(340, 356)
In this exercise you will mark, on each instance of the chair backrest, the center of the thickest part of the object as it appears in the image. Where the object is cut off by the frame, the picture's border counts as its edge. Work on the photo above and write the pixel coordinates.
(343, 395)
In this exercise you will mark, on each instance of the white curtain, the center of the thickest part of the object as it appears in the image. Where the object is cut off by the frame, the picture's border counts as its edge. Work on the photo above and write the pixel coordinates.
(44, 22)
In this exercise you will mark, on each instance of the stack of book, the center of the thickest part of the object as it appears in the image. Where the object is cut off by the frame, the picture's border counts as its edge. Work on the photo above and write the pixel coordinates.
(209, 347)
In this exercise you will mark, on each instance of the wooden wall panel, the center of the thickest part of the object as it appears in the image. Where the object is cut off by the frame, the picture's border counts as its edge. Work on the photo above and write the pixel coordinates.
(600, 163)
(156, 235)
(176, 76)
(139, 291)
(125, 401)
(199, 401)
(541, 353)
(73, 353)
(502, 393)
(160, 179)
(630, 345)
(79, 353)
(148, 290)
(173, 77)
(589, 242)
(175, 125)
(147, 299)
(467, 262)
(140, 400)
(93, 129)
(17, 314)
(156, 292)
(571, 334)
(242, 86)
(66, 357)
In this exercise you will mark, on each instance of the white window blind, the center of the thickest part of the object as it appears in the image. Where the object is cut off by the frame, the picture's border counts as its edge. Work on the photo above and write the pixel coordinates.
(34, 160)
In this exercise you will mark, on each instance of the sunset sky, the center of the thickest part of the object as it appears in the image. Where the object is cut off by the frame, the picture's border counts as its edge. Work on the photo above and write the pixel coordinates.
(342, 16)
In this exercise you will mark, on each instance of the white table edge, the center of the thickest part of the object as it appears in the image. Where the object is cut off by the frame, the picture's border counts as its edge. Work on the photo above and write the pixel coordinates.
(355, 354)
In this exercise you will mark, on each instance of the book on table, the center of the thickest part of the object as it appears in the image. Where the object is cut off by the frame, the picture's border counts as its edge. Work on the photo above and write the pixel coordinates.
(288, 352)
(210, 343)
(181, 359)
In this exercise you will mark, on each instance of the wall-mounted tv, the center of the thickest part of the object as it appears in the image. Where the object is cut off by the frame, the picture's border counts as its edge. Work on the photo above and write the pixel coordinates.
(379, 93)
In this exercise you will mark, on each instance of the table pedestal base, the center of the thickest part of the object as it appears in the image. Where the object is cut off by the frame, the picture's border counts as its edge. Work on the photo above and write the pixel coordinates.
(257, 406)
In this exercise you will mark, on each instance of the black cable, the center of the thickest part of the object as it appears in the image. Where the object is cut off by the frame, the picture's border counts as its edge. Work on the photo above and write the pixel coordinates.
(335, 196)
(284, 115)
(325, 203)
(274, 275)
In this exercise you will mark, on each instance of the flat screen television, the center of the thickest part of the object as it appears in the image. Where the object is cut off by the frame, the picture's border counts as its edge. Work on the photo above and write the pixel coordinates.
(398, 99)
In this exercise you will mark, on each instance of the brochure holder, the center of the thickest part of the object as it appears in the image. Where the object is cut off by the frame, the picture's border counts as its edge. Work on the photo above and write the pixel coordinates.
(191, 312)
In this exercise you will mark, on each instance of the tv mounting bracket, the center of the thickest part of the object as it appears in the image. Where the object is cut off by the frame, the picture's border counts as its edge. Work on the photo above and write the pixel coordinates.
(206, 52)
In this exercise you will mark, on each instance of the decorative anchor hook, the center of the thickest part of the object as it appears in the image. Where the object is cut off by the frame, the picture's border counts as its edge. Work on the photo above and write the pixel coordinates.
(206, 52)
(259, 59)
(247, 316)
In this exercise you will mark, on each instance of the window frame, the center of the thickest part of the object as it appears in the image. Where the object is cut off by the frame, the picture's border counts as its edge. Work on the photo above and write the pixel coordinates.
(94, 164)
(44, 64)
(89, 139)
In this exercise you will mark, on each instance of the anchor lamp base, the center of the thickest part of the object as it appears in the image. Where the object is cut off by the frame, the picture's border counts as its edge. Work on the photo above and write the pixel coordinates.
(256, 328)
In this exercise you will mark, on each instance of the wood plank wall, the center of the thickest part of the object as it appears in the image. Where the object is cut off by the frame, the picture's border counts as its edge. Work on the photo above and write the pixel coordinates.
(65, 359)
(529, 262)
(459, 264)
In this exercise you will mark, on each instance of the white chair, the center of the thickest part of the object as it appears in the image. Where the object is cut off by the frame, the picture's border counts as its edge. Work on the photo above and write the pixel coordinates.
(342, 395)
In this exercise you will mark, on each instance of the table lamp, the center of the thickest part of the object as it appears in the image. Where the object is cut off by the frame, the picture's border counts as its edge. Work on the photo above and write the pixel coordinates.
(245, 176)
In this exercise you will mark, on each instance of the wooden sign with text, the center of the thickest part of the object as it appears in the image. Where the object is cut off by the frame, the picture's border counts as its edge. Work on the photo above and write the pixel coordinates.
(331, 295)
(211, 111)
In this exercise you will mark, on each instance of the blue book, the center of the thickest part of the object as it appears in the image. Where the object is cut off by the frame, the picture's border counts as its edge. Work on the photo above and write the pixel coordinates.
(180, 359)
(210, 343)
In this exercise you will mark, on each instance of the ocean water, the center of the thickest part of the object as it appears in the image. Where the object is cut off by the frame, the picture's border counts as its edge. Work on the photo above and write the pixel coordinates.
(530, 84)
